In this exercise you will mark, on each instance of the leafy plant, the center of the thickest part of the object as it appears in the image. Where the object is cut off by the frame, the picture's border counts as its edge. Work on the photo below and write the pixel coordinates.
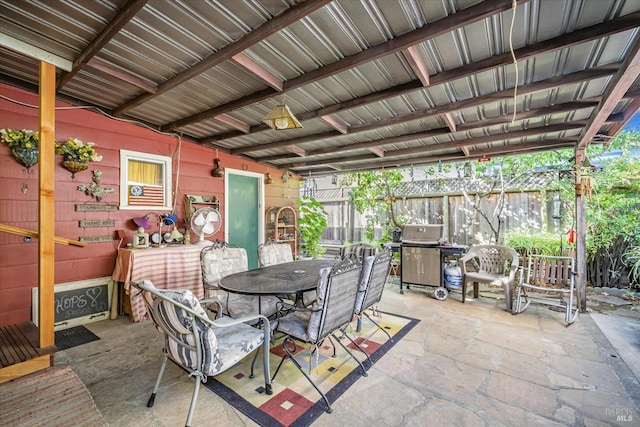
(374, 191)
(24, 138)
(76, 150)
(534, 243)
(311, 223)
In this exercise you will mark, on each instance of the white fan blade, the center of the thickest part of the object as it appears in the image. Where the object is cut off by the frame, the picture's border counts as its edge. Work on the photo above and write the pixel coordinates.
(199, 220)
(207, 228)
(212, 217)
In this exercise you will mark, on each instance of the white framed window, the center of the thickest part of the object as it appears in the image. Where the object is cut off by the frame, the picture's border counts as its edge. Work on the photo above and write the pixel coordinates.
(145, 181)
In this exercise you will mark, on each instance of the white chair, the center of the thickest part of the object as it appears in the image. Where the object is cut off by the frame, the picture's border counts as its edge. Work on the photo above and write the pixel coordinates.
(549, 280)
(203, 347)
(496, 265)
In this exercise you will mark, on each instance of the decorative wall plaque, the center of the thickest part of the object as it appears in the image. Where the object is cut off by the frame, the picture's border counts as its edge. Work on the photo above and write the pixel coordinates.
(97, 223)
(96, 207)
(96, 239)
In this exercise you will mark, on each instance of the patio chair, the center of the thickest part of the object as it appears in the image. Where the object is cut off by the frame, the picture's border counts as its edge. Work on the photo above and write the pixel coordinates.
(202, 347)
(550, 280)
(495, 264)
(271, 253)
(331, 311)
(374, 276)
(220, 260)
(360, 250)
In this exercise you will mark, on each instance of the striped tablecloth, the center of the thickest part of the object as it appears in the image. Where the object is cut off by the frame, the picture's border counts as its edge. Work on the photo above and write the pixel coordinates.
(171, 267)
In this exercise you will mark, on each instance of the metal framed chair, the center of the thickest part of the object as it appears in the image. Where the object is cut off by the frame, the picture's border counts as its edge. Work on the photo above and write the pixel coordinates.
(549, 280)
(496, 265)
(271, 253)
(201, 346)
(331, 311)
(374, 276)
(360, 250)
(220, 260)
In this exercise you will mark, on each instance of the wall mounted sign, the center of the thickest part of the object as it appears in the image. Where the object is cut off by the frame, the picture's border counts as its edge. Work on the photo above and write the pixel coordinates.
(96, 207)
(97, 223)
(96, 239)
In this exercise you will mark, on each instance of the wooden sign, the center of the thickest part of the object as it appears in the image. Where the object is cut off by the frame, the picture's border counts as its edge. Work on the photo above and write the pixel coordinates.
(96, 239)
(96, 207)
(97, 223)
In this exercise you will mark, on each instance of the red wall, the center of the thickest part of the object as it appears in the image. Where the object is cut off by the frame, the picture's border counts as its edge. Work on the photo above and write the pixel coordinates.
(19, 208)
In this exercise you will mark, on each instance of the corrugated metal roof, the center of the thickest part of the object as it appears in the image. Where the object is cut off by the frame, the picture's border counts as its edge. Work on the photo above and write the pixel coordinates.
(343, 67)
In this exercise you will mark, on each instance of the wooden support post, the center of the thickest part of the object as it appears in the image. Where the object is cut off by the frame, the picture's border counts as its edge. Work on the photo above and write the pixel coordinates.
(46, 205)
(581, 243)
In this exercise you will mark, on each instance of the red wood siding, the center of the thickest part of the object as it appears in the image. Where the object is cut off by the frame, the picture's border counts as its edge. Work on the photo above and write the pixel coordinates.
(19, 260)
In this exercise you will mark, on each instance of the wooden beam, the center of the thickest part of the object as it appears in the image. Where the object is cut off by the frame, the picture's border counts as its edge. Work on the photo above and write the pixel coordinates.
(272, 26)
(46, 205)
(441, 109)
(417, 64)
(470, 126)
(627, 115)
(233, 122)
(123, 75)
(545, 47)
(442, 26)
(450, 121)
(377, 151)
(260, 72)
(123, 17)
(465, 150)
(339, 126)
(627, 73)
(563, 41)
(296, 150)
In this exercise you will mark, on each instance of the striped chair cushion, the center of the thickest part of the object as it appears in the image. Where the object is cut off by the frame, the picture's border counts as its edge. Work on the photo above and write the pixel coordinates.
(179, 322)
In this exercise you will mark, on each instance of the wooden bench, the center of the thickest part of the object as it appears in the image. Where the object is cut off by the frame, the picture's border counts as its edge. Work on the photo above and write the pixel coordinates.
(19, 351)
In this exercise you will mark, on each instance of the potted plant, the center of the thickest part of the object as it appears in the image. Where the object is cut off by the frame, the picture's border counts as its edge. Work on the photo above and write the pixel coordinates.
(23, 144)
(76, 155)
(312, 220)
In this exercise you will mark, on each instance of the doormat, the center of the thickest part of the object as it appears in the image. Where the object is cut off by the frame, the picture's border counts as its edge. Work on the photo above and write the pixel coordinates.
(72, 337)
(294, 401)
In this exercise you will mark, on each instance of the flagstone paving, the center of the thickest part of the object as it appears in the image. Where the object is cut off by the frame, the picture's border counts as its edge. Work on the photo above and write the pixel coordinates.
(469, 364)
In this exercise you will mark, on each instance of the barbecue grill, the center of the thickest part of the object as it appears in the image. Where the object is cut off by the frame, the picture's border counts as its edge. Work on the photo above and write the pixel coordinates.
(424, 255)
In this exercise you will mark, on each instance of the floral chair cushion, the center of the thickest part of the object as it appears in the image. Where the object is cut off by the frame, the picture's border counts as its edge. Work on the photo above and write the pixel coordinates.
(274, 253)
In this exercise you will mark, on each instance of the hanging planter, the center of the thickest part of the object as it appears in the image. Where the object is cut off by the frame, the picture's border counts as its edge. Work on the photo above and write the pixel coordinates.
(74, 166)
(76, 155)
(23, 144)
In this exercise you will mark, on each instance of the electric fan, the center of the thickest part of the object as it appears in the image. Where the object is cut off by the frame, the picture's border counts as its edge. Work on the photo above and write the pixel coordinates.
(205, 222)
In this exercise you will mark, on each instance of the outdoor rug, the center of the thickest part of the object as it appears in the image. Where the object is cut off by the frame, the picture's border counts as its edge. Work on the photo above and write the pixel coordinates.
(294, 401)
(72, 337)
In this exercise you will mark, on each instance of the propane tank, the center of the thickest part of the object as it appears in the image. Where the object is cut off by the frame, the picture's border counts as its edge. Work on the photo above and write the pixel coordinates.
(453, 276)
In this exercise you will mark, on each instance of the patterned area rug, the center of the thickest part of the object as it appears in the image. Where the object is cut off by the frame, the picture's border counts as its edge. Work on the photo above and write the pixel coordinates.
(294, 401)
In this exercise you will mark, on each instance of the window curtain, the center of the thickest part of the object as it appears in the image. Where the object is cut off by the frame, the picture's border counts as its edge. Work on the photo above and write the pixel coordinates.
(145, 173)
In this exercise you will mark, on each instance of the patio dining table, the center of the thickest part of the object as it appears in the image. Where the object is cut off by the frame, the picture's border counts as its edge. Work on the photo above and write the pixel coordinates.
(296, 277)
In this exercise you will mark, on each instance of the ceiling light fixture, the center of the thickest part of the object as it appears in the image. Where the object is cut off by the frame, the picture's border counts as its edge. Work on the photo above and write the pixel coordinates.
(281, 118)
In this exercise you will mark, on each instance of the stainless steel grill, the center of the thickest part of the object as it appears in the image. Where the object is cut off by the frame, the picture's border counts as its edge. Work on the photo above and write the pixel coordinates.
(424, 254)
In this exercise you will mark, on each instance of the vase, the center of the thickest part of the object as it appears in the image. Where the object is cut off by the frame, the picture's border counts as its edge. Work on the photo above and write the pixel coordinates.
(27, 157)
(74, 166)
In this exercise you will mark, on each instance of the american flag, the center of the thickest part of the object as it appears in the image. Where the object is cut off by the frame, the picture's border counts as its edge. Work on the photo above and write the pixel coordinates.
(146, 195)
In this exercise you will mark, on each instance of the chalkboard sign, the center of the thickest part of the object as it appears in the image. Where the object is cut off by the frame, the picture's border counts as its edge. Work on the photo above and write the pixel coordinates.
(81, 302)
(77, 303)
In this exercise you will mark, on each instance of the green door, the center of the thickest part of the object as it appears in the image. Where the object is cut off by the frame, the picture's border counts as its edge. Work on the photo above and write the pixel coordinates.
(244, 216)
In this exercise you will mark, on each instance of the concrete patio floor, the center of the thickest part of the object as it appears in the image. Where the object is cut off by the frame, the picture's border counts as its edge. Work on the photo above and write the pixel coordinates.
(469, 364)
